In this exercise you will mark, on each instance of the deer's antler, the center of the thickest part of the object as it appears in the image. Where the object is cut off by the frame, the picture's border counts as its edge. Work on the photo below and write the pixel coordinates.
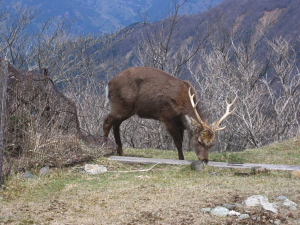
(216, 125)
(195, 106)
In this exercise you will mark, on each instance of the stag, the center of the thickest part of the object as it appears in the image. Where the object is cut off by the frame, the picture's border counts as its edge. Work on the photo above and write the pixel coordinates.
(154, 94)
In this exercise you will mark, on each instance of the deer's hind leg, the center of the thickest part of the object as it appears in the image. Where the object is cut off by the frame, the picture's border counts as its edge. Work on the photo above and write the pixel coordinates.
(114, 120)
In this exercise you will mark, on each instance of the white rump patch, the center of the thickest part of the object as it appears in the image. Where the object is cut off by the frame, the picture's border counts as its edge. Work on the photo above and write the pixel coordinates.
(106, 96)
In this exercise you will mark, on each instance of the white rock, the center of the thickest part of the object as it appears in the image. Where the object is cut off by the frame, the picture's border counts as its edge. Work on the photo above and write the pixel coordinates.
(94, 169)
(233, 213)
(297, 221)
(244, 216)
(257, 200)
(270, 207)
(282, 197)
(277, 222)
(206, 210)
(288, 203)
(219, 211)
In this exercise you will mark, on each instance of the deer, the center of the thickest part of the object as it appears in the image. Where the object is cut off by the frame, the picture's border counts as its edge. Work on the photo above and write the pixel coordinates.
(154, 94)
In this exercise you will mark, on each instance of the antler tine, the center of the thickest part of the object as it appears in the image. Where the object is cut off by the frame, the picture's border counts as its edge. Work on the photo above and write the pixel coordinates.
(227, 113)
(195, 106)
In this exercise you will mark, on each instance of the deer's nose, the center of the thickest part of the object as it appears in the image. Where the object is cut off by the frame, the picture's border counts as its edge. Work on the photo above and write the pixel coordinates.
(205, 161)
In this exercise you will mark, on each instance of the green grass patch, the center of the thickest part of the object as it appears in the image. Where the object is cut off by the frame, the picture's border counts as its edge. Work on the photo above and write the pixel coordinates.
(286, 153)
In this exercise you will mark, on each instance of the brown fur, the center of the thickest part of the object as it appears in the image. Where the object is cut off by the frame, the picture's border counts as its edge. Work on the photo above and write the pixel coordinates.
(155, 94)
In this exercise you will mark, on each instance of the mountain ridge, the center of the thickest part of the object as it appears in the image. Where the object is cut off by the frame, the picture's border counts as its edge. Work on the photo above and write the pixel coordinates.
(250, 20)
(107, 16)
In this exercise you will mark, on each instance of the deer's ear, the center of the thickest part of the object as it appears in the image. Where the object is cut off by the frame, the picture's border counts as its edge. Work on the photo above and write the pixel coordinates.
(191, 124)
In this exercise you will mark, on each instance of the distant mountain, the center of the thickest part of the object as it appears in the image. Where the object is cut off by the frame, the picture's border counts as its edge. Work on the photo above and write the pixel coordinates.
(249, 20)
(280, 17)
(98, 16)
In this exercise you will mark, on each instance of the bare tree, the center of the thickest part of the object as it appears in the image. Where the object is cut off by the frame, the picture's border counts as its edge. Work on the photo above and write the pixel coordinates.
(268, 90)
(160, 46)
(15, 35)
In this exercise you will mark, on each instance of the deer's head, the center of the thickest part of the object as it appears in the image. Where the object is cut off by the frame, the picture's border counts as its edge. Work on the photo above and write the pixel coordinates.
(202, 136)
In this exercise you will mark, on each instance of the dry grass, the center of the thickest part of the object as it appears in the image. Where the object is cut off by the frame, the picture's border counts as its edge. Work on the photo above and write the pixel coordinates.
(164, 195)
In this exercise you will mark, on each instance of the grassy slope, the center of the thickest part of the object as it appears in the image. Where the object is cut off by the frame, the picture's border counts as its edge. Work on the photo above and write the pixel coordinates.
(164, 195)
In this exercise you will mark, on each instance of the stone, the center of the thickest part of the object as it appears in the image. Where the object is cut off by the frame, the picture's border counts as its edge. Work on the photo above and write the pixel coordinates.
(297, 221)
(295, 173)
(220, 211)
(229, 206)
(256, 218)
(44, 171)
(259, 169)
(257, 200)
(214, 173)
(270, 207)
(290, 204)
(234, 213)
(28, 175)
(277, 222)
(206, 210)
(94, 169)
(281, 197)
(197, 165)
(244, 216)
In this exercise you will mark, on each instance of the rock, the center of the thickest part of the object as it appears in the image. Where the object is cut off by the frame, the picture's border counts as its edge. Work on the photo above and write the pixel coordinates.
(281, 197)
(288, 203)
(229, 206)
(297, 221)
(256, 218)
(295, 173)
(270, 207)
(277, 222)
(257, 200)
(213, 173)
(220, 211)
(244, 216)
(28, 175)
(94, 169)
(259, 169)
(206, 210)
(44, 171)
(233, 213)
(197, 165)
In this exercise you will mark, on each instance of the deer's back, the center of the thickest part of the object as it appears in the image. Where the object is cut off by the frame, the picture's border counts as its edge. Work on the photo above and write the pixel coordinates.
(148, 92)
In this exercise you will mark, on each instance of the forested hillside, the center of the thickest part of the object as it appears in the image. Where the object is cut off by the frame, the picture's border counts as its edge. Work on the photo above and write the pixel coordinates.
(250, 22)
(246, 48)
